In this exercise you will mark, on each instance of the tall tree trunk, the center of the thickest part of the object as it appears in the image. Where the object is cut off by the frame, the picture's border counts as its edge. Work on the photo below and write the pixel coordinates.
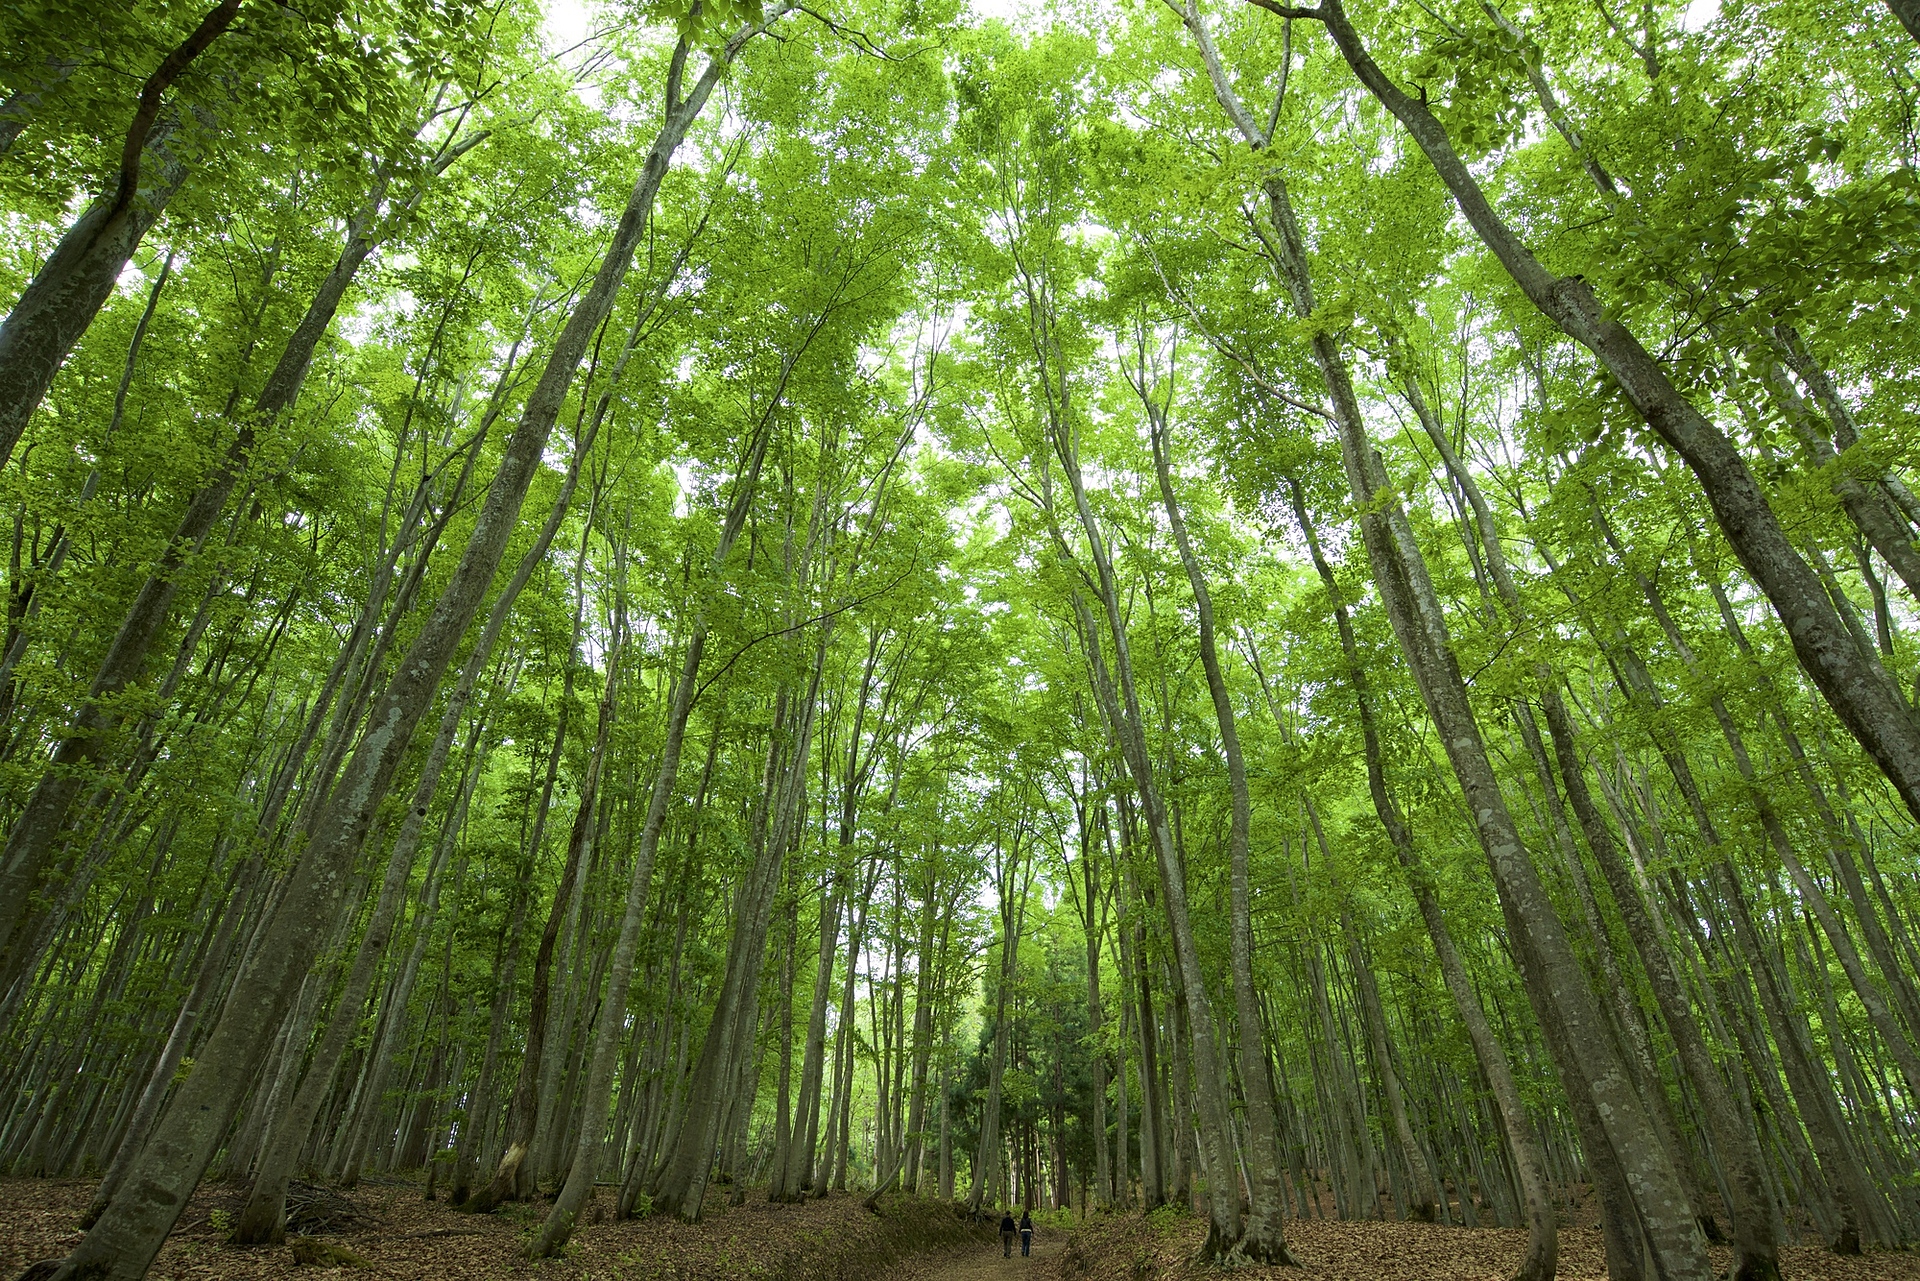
(1756, 1255)
(1556, 987)
(926, 995)
(799, 1176)
(263, 1219)
(1011, 892)
(1840, 843)
(1153, 1109)
(1093, 906)
(783, 1113)
(1262, 1238)
(44, 820)
(1748, 1204)
(1122, 1104)
(1854, 683)
(123, 1241)
(1373, 1014)
(597, 1090)
(523, 1108)
(160, 1079)
(393, 1013)
(681, 1186)
(1226, 1226)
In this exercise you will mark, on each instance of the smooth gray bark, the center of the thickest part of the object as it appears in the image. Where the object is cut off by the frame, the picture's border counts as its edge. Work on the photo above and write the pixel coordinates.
(1011, 894)
(1262, 1238)
(123, 1242)
(37, 832)
(604, 1041)
(1853, 682)
(1749, 1206)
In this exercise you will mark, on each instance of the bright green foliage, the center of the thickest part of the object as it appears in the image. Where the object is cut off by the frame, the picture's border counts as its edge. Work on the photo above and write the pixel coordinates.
(920, 255)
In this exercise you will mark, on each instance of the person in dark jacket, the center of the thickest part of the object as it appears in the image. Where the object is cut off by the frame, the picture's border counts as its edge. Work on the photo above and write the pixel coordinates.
(1026, 1232)
(1006, 1235)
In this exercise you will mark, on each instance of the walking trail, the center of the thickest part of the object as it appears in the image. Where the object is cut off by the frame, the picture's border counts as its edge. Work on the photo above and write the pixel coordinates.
(985, 1264)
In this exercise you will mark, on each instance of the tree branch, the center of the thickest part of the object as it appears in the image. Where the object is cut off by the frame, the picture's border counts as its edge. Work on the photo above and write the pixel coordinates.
(216, 21)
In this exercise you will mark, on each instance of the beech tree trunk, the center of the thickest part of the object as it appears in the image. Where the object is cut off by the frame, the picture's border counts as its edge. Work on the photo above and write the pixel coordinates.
(42, 823)
(1748, 1203)
(1556, 987)
(1853, 682)
(604, 1041)
(1011, 891)
(1756, 1254)
(1262, 1237)
(123, 1241)
(1225, 1224)
(926, 995)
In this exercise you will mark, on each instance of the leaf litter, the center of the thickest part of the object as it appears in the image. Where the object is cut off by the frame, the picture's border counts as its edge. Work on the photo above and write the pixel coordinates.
(402, 1237)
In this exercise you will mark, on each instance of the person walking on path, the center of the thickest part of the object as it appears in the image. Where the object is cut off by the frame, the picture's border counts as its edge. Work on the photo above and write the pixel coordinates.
(1006, 1235)
(1026, 1232)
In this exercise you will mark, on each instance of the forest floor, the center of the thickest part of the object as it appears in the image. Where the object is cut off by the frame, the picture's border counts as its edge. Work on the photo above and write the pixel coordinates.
(1162, 1248)
(398, 1236)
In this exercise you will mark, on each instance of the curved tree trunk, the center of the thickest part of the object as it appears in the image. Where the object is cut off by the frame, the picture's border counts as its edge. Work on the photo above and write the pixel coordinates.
(1262, 1237)
(1854, 683)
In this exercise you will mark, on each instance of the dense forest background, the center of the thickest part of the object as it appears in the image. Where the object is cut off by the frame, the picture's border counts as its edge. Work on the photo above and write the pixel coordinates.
(1282, 611)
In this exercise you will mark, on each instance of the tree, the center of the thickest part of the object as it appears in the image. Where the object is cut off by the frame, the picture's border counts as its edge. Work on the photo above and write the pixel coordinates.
(1048, 613)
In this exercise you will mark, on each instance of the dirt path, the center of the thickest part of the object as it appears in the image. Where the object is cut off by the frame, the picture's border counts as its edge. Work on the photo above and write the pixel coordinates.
(985, 1264)
(404, 1238)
